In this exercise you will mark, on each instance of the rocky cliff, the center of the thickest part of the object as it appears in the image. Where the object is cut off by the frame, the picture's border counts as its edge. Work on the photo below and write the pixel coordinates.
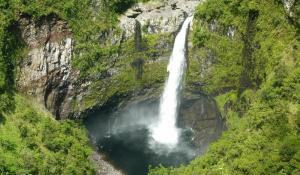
(47, 73)
(157, 16)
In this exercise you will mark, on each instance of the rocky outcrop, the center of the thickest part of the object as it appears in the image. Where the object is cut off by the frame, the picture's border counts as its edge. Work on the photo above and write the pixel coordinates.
(292, 11)
(288, 5)
(157, 17)
(200, 114)
(104, 167)
(46, 71)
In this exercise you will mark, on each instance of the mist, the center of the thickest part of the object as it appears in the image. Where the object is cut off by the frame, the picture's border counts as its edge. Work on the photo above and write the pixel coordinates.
(124, 135)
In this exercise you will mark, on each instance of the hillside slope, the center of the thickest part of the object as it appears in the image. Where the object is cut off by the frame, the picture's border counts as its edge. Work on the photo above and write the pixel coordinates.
(32, 142)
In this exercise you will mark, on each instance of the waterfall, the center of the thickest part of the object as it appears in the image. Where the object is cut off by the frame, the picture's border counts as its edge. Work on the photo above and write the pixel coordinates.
(165, 131)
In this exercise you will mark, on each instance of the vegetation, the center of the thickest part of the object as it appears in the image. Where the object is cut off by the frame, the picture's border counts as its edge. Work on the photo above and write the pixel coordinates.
(254, 75)
(120, 6)
(32, 142)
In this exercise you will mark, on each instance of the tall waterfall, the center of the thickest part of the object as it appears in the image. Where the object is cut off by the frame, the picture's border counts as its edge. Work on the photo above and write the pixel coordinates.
(165, 131)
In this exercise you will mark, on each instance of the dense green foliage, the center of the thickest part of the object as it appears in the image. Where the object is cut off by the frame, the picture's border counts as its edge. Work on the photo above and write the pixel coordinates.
(255, 78)
(32, 142)
(120, 6)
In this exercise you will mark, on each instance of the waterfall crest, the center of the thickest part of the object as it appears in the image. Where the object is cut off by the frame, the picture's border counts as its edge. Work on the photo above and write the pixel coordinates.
(165, 131)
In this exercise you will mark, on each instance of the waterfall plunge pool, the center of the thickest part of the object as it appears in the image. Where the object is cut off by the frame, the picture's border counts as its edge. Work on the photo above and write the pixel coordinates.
(123, 135)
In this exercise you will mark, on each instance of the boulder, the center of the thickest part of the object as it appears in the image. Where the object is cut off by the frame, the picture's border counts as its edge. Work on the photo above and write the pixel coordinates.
(288, 5)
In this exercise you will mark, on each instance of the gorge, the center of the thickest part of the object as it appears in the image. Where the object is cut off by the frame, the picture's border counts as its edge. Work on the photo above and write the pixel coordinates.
(114, 87)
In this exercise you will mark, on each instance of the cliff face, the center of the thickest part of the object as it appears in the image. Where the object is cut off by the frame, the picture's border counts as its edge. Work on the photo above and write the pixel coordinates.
(158, 17)
(47, 74)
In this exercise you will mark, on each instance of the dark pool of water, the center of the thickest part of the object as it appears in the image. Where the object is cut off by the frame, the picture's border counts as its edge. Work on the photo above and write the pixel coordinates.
(123, 136)
(130, 152)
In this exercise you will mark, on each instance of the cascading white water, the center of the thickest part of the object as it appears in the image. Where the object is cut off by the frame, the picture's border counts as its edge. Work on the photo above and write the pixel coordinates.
(165, 131)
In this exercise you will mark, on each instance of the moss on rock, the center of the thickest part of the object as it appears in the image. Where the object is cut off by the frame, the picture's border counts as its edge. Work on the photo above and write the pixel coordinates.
(119, 80)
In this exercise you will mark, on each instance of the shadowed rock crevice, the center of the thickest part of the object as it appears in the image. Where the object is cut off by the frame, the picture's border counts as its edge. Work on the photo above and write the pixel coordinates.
(248, 59)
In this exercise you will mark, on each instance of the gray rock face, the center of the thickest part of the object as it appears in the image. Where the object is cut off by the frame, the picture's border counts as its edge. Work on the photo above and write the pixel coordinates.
(157, 17)
(288, 5)
(46, 71)
(200, 113)
(128, 26)
(104, 167)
